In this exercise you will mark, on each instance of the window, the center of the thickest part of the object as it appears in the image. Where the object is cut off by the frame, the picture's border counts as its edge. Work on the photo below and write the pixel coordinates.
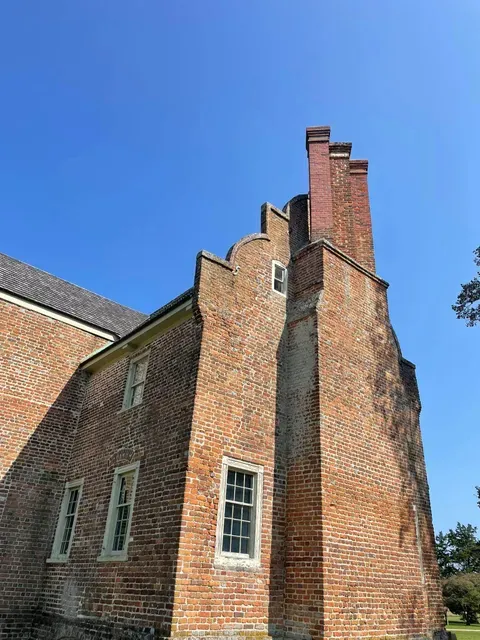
(135, 381)
(239, 514)
(66, 521)
(119, 519)
(279, 278)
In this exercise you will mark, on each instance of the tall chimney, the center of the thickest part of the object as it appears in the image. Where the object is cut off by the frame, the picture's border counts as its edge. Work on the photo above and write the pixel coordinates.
(361, 213)
(321, 207)
(338, 192)
(343, 224)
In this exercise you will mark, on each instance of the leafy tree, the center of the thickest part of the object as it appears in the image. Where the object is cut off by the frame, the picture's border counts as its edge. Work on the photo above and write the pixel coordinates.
(478, 495)
(467, 307)
(444, 555)
(458, 550)
(461, 594)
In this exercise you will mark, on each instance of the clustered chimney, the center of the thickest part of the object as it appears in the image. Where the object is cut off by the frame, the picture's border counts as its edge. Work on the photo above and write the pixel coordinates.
(338, 192)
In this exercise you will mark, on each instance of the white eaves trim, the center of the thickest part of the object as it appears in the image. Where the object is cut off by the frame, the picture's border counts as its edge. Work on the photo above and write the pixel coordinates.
(31, 306)
(109, 353)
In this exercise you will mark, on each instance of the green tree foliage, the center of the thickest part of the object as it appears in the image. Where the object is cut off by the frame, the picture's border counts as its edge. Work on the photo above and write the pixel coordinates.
(461, 594)
(444, 555)
(467, 306)
(478, 495)
(458, 550)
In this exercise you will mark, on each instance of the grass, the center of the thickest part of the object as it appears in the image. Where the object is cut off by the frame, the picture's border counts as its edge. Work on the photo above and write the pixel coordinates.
(460, 628)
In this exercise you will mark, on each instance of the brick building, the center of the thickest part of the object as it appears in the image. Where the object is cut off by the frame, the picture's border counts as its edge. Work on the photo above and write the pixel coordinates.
(244, 462)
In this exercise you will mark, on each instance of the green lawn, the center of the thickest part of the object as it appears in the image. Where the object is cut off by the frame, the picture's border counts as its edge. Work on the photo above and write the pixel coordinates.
(463, 632)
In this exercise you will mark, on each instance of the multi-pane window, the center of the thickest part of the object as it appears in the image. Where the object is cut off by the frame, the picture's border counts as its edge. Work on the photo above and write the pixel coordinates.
(119, 519)
(239, 514)
(66, 521)
(279, 278)
(122, 510)
(69, 520)
(237, 522)
(136, 381)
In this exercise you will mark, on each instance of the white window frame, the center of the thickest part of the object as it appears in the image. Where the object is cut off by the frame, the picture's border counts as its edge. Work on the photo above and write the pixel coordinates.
(275, 263)
(107, 553)
(127, 396)
(56, 556)
(225, 559)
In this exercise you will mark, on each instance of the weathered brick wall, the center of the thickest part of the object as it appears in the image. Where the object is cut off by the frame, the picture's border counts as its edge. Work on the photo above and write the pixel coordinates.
(239, 412)
(298, 226)
(40, 396)
(304, 593)
(88, 598)
(356, 469)
(312, 387)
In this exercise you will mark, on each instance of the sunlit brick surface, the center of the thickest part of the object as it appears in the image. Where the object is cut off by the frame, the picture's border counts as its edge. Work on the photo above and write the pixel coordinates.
(311, 386)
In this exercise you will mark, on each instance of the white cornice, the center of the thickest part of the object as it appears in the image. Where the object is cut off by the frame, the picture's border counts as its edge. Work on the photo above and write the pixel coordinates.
(147, 333)
(44, 311)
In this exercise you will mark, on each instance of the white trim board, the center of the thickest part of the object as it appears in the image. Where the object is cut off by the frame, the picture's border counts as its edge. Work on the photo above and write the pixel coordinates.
(31, 306)
(145, 335)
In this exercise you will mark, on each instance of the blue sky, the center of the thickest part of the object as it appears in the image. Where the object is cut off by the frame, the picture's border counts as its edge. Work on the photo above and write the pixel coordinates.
(134, 134)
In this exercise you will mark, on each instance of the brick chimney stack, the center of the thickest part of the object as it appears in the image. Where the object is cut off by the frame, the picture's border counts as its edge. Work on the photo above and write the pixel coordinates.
(320, 191)
(361, 213)
(338, 192)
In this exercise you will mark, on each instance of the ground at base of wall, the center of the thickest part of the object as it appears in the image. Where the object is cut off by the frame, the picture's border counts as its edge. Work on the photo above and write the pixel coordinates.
(52, 627)
(41, 626)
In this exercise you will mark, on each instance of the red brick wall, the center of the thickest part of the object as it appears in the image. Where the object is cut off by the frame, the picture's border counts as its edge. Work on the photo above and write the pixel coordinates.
(298, 226)
(40, 396)
(239, 412)
(137, 593)
(312, 387)
(356, 467)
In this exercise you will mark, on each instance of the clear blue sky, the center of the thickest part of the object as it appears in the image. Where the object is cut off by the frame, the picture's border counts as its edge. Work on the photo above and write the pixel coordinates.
(134, 133)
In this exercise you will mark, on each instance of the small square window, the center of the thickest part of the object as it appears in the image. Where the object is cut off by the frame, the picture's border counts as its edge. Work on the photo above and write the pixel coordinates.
(135, 381)
(239, 516)
(279, 278)
(119, 519)
(66, 521)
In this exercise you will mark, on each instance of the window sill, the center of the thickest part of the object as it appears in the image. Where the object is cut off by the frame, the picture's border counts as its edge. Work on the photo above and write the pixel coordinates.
(237, 564)
(134, 406)
(54, 560)
(119, 558)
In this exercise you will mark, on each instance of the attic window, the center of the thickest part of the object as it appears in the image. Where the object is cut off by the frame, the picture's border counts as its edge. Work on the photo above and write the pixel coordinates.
(279, 278)
(135, 381)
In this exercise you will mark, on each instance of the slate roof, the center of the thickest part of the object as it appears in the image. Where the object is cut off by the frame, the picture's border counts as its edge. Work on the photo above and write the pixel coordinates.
(41, 287)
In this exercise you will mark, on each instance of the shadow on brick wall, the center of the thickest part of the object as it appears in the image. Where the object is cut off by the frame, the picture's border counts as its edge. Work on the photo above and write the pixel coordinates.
(30, 493)
(277, 553)
(71, 599)
(397, 402)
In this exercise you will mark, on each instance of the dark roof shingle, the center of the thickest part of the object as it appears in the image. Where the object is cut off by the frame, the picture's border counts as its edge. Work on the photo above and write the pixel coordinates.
(43, 288)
